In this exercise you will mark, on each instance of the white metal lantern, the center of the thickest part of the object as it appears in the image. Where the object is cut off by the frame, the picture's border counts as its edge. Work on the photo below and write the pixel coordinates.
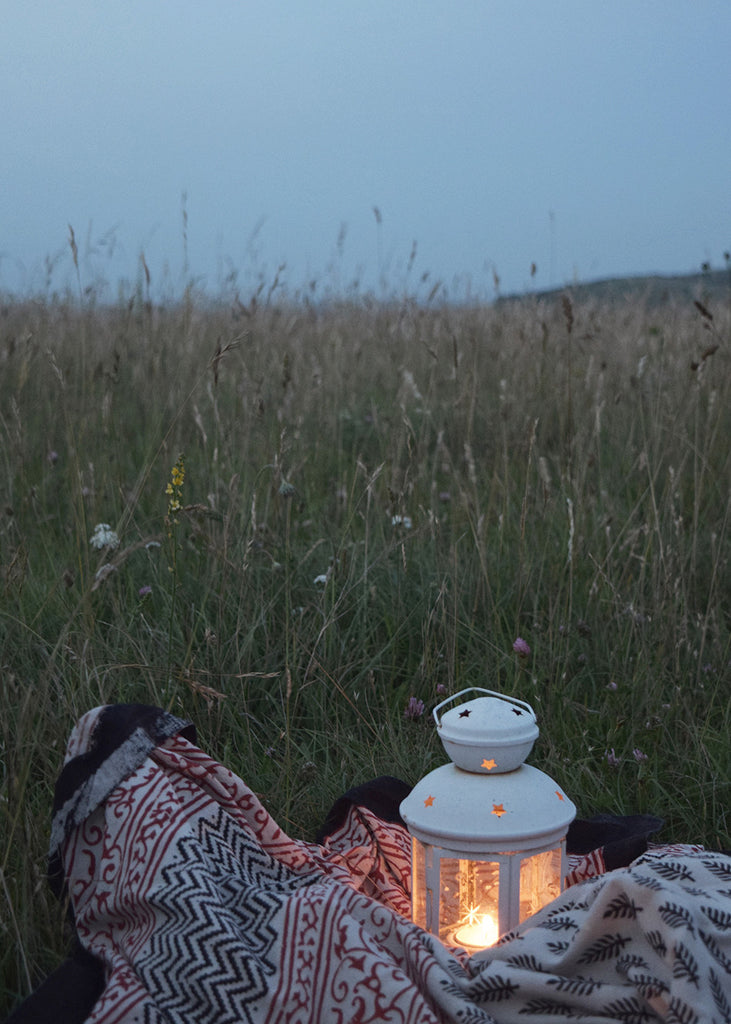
(488, 831)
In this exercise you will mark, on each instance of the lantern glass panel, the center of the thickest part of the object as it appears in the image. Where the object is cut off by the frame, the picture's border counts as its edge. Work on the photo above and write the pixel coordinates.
(419, 894)
(455, 898)
(540, 880)
(475, 910)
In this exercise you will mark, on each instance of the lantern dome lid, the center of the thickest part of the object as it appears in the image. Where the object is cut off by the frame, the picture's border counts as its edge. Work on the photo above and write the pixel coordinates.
(470, 813)
(490, 733)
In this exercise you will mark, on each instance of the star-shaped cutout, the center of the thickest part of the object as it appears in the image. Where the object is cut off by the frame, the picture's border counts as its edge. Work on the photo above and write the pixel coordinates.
(559, 794)
(498, 809)
(465, 714)
(429, 802)
(488, 764)
(517, 711)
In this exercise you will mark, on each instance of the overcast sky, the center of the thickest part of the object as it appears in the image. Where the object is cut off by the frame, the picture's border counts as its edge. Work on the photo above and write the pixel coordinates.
(591, 138)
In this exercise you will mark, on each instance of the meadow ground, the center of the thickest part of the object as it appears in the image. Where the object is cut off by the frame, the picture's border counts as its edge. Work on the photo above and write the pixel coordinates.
(314, 514)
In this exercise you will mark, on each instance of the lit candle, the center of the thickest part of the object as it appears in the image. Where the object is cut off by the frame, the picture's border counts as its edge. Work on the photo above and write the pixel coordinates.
(478, 931)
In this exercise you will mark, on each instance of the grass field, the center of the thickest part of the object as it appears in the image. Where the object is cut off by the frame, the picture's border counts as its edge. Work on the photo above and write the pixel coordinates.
(314, 514)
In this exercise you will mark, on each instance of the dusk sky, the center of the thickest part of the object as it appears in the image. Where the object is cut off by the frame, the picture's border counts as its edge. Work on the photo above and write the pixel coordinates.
(225, 139)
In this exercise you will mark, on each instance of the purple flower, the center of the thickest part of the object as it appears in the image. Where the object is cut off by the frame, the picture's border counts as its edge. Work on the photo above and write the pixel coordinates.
(441, 689)
(144, 591)
(521, 648)
(611, 685)
(612, 759)
(414, 709)
(638, 755)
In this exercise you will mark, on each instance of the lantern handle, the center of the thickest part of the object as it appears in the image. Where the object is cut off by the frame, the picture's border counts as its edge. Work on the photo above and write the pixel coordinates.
(480, 689)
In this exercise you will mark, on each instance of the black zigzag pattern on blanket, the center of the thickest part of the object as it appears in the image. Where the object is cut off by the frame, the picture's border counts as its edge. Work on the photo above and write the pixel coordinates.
(212, 949)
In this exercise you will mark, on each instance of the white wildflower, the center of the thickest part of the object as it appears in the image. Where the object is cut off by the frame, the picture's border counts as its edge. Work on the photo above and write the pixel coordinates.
(320, 580)
(404, 521)
(104, 537)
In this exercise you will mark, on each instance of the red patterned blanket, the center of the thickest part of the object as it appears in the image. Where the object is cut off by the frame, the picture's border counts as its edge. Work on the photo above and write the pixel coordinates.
(191, 905)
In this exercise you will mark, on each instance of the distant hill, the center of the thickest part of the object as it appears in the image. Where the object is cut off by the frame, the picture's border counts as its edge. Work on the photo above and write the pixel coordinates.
(711, 286)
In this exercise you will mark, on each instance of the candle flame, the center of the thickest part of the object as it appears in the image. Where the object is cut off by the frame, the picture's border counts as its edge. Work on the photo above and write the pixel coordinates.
(477, 930)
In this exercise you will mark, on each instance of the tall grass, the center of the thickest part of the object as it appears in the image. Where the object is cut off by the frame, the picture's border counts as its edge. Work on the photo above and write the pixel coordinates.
(377, 500)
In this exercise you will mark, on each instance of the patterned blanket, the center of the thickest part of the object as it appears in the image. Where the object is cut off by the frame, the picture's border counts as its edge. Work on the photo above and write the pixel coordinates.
(191, 905)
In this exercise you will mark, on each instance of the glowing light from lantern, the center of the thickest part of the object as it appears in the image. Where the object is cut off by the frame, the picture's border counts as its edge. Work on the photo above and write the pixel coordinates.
(477, 931)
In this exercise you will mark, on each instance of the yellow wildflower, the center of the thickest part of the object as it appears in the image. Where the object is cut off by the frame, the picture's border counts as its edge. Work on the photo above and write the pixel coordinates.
(174, 488)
